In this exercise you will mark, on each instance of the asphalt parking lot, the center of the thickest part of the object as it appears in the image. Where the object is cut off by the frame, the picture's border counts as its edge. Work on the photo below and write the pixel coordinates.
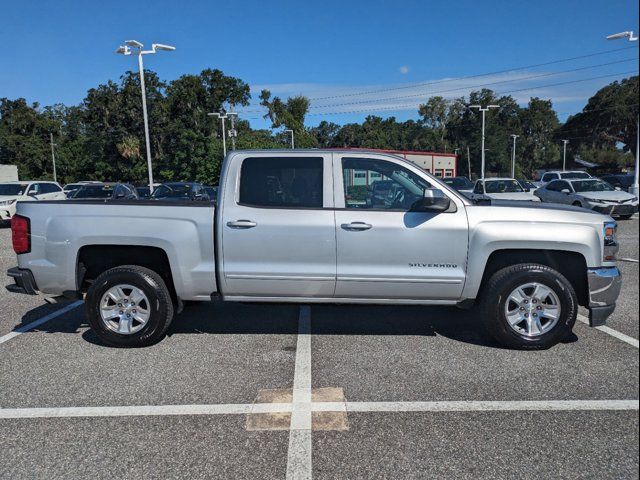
(270, 391)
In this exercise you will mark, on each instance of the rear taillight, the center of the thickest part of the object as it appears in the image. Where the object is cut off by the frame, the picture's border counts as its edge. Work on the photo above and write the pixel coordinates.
(21, 234)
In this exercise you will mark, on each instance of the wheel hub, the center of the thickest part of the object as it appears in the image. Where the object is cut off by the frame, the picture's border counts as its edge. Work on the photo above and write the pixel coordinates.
(532, 309)
(124, 309)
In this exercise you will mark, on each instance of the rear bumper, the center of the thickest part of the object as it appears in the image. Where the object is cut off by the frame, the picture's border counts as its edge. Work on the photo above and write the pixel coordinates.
(23, 281)
(604, 288)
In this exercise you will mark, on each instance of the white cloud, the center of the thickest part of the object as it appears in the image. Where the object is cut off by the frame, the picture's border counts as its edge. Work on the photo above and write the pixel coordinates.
(404, 69)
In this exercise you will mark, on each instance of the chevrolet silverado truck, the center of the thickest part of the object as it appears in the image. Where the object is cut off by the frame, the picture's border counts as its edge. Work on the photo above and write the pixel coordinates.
(303, 226)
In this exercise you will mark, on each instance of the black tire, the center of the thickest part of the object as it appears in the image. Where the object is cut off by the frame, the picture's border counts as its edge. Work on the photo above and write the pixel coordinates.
(160, 305)
(499, 287)
(577, 204)
(625, 217)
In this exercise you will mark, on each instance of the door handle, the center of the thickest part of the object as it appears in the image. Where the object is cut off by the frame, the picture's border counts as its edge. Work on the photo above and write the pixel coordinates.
(356, 226)
(242, 224)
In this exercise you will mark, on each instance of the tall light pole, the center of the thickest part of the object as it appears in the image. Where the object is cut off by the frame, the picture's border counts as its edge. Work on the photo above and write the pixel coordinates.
(222, 115)
(564, 154)
(635, 188)
(513, 156)
(292, 142)
(484, 111)
(53, 157)
(129, 48)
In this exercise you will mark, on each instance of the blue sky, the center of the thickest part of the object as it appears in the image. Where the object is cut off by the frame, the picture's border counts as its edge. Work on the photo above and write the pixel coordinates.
(53, 51)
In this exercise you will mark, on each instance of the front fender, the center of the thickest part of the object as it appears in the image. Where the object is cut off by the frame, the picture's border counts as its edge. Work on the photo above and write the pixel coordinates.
(491, 236)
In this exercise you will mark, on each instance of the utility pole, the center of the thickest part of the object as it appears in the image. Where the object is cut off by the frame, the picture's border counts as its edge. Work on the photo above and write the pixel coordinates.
(232, 131)
(291, 132)
(564, 155)
(126, 50)
(222, 115)
(53, 157)
(513, 156)
(635, 188)
(484, 110)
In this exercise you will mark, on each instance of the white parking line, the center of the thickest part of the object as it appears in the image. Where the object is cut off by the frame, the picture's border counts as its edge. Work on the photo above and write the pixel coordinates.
(303, 465)
(630, 260)
(610, 331)
(40, 321)
(299, 454)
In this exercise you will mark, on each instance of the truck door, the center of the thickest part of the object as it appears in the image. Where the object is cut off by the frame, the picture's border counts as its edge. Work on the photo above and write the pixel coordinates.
(278, 226)
(385, 251)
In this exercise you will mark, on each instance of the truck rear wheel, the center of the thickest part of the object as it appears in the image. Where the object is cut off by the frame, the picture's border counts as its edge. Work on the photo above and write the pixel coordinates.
(129, 306)
(529, 306)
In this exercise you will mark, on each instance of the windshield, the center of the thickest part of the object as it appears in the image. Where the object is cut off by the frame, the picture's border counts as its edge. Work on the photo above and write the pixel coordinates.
(527, 184)
(570, 175)
(13, 188)
(72, 186)
(459, 183)
(502, 186)
(94, 191)
(172, 191)
(592, 186)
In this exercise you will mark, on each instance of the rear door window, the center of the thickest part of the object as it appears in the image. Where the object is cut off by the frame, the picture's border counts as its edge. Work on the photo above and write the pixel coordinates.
(282, 182)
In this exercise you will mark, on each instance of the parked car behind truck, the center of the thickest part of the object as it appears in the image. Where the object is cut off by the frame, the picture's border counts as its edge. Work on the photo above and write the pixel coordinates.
(284, 230)
(28, 191)
(591, 193)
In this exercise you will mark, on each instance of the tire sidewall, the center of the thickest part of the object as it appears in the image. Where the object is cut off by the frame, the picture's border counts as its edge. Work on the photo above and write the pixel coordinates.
(154, 328)
(568, 305)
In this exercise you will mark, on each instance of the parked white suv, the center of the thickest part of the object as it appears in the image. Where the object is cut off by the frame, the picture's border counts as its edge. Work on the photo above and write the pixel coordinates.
(12, 192)
(563, 175)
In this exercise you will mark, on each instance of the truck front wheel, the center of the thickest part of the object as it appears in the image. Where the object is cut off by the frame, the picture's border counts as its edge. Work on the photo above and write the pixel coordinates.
(529, 306)
(129, 306)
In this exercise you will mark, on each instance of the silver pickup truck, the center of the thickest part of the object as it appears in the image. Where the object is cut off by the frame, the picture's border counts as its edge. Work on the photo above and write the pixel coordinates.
(310, 226)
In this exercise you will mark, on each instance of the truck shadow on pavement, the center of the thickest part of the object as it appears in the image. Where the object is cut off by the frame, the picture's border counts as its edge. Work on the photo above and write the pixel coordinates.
(219, 318)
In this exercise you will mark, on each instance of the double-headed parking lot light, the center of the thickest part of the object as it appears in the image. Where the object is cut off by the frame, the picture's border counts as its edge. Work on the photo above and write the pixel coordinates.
(483, 110)
(635, 188)
(126, 49)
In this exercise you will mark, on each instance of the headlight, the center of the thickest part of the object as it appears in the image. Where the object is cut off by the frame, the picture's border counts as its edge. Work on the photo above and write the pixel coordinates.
(593, 200)
(6, 203)
(611, 246)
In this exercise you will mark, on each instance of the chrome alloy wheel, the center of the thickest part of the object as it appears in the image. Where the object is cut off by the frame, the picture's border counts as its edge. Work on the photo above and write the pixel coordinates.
(532, 309)
(125, 309)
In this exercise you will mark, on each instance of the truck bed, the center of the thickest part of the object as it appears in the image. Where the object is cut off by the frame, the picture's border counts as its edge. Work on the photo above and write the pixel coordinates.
(60, 230)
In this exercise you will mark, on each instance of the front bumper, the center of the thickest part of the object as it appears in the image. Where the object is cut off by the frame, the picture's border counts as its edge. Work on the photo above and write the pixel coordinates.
(604, 288)
(616, 209)
(23, 281)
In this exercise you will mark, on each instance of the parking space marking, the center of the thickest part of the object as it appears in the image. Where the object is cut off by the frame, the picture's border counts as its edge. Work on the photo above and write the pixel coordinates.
(299, 453)
(40, 321)
(610, 331)
(480, 406)
(144, 410)
(630, 260)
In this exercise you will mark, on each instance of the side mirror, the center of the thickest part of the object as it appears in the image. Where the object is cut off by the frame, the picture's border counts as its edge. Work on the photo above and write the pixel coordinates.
(527, 189)
(618, 188)
(566, 190)
(32, 193)
(434, 200)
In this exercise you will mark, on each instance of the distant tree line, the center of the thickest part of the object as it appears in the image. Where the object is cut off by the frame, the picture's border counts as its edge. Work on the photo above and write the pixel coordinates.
(103, 137)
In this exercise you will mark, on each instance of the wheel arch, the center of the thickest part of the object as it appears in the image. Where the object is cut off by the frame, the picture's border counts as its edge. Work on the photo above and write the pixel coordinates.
(92, 260)
(572, 265)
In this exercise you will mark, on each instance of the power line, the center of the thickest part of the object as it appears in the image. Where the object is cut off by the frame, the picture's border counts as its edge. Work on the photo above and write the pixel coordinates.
(410, 105)
(553, 62)
(466, 87)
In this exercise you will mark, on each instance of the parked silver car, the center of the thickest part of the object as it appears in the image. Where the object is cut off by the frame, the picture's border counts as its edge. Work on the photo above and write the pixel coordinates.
(591, 193)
